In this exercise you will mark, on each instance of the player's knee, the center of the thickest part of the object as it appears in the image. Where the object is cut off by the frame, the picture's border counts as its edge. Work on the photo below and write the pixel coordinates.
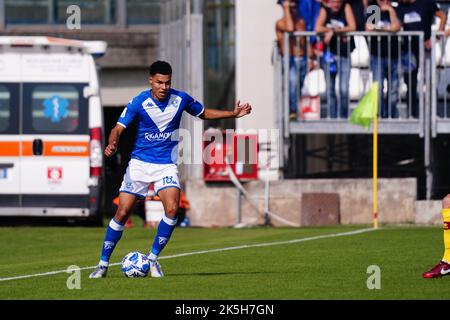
(446, 202)
(171, 210)
(122, 213)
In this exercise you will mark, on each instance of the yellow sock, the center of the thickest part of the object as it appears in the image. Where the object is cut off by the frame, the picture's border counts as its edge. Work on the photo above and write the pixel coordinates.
(446, 220)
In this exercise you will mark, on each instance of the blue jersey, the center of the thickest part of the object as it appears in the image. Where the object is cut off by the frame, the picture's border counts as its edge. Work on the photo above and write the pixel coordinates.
(156, 123)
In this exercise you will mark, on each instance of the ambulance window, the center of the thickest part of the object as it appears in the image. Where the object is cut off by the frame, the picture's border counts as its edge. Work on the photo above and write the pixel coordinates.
(54, 108)
(8, 109)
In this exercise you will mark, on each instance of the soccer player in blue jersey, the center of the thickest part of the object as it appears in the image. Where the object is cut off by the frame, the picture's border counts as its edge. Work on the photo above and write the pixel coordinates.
(158, 114)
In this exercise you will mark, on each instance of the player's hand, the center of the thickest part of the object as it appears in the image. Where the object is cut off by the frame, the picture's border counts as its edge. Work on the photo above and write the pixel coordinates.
(241, 110)
(111, 149)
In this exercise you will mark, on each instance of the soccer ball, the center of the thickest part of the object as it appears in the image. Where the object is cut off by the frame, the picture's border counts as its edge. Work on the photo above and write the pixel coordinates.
(135, 265)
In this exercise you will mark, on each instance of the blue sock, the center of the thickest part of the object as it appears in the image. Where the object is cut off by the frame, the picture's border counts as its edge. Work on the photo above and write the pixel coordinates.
(163, 234)
(113, 235)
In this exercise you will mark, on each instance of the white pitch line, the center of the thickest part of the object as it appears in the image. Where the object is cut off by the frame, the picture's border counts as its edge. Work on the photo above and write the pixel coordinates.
(255, 245)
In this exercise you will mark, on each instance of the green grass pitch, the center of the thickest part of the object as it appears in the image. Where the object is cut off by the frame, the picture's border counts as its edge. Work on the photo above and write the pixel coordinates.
(328, 268)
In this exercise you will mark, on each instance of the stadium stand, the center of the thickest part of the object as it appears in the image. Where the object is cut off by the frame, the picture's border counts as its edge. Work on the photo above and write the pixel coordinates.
(433, 94)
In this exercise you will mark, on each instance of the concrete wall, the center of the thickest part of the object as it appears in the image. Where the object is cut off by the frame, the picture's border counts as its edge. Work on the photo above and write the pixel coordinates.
(215, 205)
(428, 212)
(124, 67)
(118, 86)
(255, 35)
(127, 48)
(254, 71)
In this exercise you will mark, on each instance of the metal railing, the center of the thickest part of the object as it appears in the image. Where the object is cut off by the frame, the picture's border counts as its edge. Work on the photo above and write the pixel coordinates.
(410, 118)
(429, 79)
(440, 84)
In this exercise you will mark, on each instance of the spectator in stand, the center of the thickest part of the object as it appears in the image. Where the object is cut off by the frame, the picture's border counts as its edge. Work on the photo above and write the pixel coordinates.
(416, 15)
(359, 11)
(324, 3)
(298, 62)
(333, 23)
(308, 10)
(317, 44)
(384, 57)
(439, 13)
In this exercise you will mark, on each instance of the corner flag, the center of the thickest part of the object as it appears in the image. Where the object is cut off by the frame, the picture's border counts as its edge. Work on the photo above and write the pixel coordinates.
(364, 113)
(366, 109)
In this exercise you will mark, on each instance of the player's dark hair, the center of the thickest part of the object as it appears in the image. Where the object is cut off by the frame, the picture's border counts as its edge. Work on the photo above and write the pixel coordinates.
(160, 67)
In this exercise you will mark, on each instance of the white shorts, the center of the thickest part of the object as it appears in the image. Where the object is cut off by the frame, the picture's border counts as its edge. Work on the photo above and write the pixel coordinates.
(140, 174)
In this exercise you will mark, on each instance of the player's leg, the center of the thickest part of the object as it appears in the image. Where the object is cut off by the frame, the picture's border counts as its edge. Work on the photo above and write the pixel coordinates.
(170, 198)
(130, 190)
(116, 225)
(114, 232)
(443, 267)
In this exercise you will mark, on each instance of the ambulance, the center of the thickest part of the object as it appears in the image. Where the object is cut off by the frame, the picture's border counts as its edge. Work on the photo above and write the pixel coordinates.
(51, 128)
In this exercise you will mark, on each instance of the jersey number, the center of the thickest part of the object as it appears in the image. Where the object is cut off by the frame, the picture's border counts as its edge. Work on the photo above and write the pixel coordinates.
(168, 180)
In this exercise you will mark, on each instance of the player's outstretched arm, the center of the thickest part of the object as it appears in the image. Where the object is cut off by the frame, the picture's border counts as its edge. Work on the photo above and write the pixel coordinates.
(240, 110)
(113, 140)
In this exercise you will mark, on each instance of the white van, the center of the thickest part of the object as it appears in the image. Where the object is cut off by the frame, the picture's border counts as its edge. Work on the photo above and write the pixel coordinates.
(51, 127)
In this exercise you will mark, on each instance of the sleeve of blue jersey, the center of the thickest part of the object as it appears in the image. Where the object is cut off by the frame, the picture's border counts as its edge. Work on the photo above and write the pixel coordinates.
(194, 108)
(128, 114)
